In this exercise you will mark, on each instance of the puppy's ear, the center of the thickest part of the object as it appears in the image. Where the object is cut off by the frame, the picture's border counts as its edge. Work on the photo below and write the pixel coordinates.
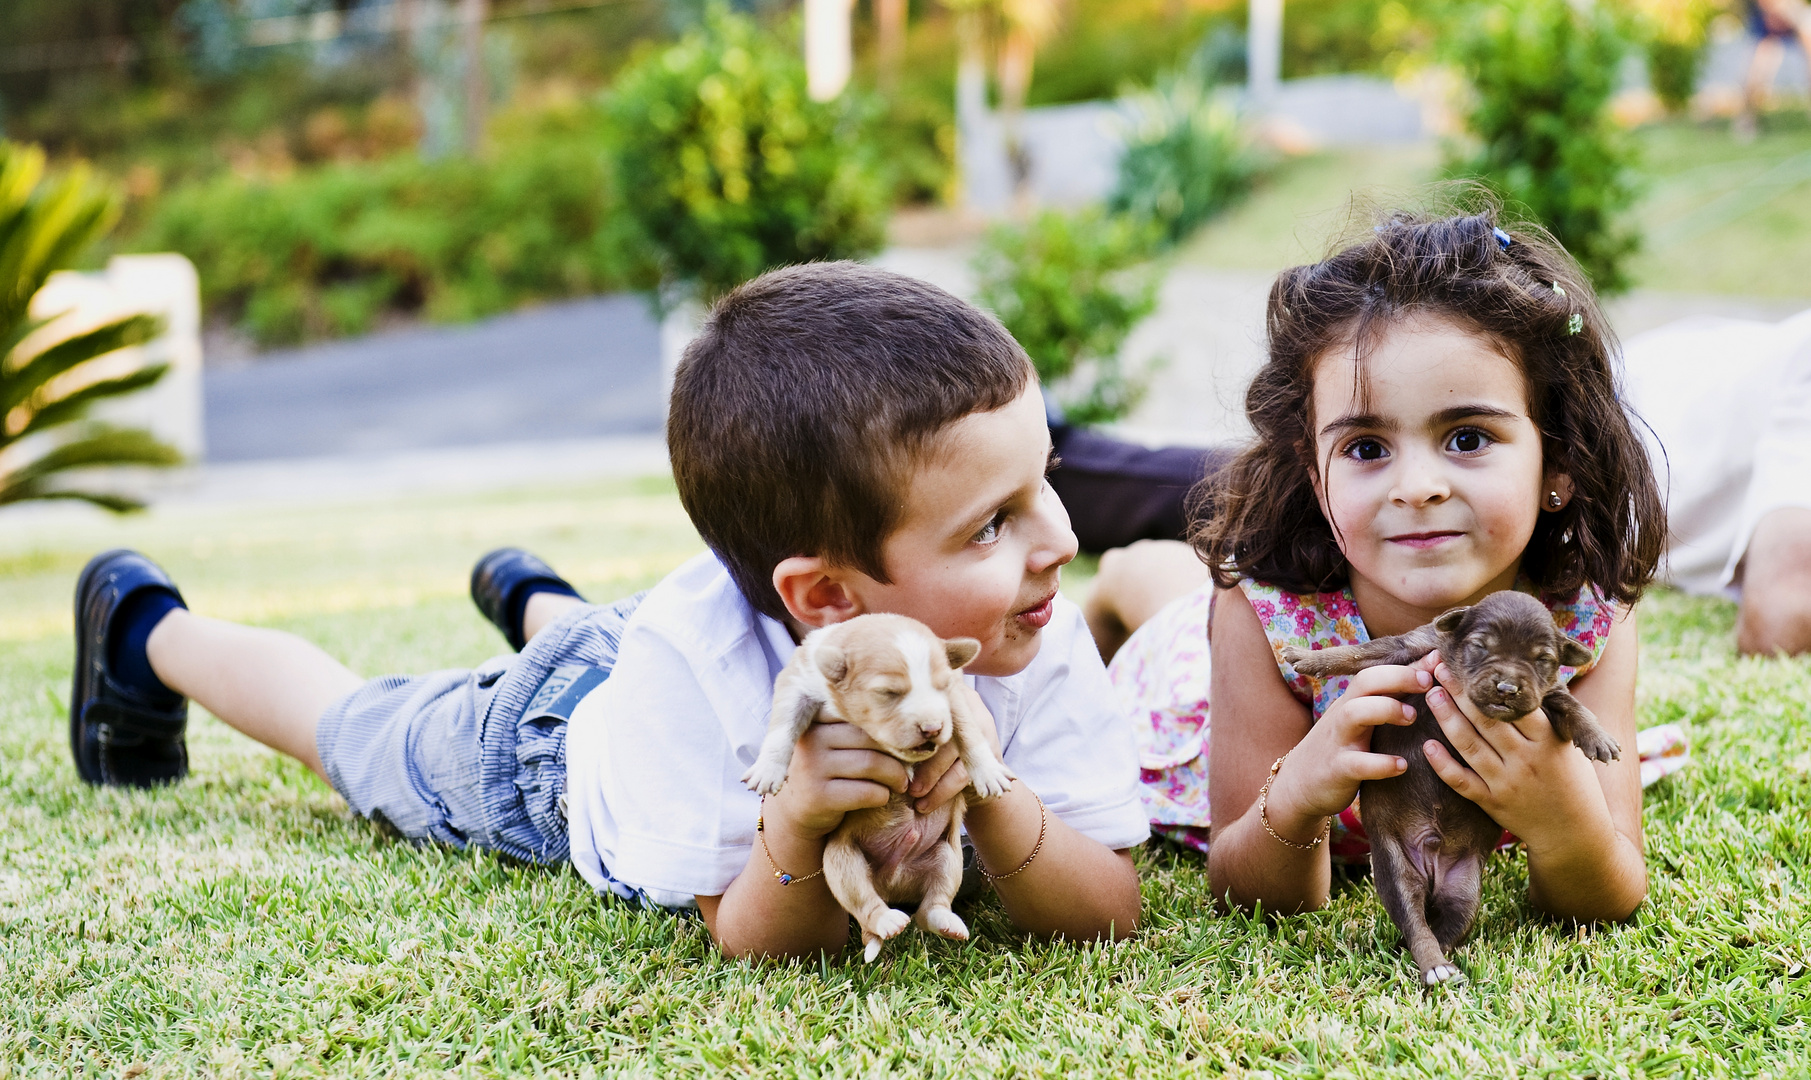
(961, 650)
(1449, 622)
(1572, 654)
(832, 662)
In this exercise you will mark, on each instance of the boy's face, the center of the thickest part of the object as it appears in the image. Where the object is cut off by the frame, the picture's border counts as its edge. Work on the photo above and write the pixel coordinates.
(983, 539)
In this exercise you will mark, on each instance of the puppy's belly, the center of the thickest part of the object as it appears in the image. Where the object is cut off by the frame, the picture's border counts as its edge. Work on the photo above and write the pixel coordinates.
(1418, 807)
(901, 844)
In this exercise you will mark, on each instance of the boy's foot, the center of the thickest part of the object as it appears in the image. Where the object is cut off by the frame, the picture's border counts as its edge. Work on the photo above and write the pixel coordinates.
(125, 727)
(502, 582)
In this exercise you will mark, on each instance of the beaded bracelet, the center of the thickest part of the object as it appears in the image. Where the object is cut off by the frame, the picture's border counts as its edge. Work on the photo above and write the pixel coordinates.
(761, 835)
(1264, 797)
(1043, 824)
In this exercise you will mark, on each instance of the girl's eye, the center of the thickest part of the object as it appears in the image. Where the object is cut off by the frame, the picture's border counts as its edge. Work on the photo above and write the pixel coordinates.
(990, 531)
(1468, 441)
(1365, 450)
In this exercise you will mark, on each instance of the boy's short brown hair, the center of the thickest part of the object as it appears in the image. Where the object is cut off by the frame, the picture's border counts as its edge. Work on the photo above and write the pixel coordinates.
(800, 409)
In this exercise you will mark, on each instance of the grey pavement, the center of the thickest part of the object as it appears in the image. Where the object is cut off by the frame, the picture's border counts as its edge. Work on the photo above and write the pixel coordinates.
(583, 369)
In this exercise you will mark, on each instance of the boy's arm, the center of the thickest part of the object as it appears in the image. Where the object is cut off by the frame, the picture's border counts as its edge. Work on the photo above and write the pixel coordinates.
(835, 769)
(1075, 887)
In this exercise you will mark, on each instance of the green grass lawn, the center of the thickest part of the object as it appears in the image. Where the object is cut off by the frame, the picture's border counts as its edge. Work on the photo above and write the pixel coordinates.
(243, 923)
(1717, 216)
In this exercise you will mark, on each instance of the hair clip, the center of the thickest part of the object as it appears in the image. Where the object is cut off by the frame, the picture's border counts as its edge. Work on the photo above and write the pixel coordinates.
(1575, 324)
(1503, 240)
(1557, 289)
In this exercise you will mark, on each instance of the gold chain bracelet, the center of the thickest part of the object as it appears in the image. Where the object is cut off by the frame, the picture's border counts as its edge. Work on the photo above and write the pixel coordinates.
(1043, 824)
(761, 834)
(1264, 816)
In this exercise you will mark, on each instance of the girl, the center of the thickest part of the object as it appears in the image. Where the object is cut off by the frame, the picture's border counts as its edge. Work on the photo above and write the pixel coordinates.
(1437, 421)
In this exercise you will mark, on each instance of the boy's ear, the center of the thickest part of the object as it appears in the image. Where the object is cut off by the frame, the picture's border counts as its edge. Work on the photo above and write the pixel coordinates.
(1572, 654)
(813, 592)
(961, 650)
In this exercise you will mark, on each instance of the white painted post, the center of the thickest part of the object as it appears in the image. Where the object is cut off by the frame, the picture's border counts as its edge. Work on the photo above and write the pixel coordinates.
(829, 53)
(1264, 51)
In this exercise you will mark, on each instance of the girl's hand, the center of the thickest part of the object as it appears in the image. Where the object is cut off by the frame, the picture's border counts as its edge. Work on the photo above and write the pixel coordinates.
(1322, 774)
(1533, 783)
(835, 768)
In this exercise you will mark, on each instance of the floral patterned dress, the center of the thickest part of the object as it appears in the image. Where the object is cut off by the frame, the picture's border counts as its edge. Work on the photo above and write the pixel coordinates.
(1161, 674)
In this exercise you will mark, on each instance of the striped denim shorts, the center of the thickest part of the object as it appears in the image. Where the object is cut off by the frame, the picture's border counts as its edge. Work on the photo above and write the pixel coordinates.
(474, 757)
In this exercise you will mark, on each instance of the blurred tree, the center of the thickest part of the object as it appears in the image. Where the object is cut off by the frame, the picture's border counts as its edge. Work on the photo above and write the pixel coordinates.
(45, 391)
(1070, 288)
(728, 168)
(1543, 72)
(1186, 157)
(1676, 33)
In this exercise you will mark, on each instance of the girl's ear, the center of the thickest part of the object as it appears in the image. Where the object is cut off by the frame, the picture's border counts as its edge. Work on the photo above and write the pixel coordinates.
(1556, 488)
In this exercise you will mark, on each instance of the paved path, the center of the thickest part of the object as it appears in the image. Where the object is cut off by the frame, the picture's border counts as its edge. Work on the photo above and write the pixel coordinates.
(578, 370)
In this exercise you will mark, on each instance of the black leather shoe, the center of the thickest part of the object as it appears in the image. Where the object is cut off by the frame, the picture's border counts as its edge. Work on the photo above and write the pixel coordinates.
(495, 581)
(119, 734)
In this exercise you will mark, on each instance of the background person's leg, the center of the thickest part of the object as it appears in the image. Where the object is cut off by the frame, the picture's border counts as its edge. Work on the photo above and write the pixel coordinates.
(263, 683)
(1134, 584)
(1776, 586)
(1119, 492)
(543, 608)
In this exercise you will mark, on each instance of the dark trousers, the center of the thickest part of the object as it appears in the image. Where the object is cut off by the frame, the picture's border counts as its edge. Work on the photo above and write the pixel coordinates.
(1118, 492)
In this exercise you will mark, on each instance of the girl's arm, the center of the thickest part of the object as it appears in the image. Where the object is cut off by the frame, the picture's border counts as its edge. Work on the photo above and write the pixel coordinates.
(1579, 820)
(1256, 720)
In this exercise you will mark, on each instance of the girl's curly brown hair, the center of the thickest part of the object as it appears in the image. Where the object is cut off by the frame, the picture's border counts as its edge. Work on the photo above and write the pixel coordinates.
(1530, 298)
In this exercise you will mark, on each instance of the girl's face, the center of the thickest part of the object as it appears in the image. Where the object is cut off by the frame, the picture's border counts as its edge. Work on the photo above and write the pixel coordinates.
(1433, 485)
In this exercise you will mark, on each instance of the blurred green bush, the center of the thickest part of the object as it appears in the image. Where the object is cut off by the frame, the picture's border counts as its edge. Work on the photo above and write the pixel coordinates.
(1543, 72)
(733, 169)
(1070, 288)
(324, 253)
(1675, 34)
(1186, 157)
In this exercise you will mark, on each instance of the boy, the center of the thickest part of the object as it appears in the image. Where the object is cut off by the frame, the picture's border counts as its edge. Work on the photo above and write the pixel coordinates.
(845, 440)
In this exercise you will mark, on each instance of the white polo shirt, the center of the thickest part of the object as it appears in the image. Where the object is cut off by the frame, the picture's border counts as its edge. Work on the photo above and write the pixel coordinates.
(654, 755)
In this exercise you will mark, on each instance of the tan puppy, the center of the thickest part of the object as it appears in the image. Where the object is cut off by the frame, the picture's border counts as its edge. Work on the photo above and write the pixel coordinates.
(892, 678)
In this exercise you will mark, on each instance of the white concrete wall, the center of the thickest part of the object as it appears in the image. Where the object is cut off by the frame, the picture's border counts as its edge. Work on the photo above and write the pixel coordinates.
(162, 285)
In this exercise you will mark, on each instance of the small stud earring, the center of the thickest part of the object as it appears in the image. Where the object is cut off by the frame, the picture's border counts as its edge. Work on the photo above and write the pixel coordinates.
(1554, 502)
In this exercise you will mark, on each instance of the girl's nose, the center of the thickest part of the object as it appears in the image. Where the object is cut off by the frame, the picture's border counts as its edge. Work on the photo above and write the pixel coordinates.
(1419, 481)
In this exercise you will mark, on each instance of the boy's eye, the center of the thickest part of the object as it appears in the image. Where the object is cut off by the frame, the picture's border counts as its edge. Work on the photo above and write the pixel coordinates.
(1366, 450)
(1468, 441)
(990, 531)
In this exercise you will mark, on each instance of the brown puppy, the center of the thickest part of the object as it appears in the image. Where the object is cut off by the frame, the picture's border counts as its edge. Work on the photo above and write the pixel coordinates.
(892, 678)
(1428, 844)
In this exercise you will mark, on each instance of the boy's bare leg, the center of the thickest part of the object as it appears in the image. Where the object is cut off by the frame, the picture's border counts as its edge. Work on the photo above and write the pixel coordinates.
(544, 608)
(1134, 584)
(1776, 586)
(266, 684)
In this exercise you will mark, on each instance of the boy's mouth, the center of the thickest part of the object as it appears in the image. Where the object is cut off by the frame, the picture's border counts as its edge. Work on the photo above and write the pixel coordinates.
(1424, 539)
(1037, 615)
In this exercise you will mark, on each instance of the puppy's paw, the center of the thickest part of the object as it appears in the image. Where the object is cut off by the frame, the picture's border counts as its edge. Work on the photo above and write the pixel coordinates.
(1313, 664)
(871, 951)
(989, 778)
(885, 925)
(1597, 745)
(943, 921)
(1443, 975)
(765, 777)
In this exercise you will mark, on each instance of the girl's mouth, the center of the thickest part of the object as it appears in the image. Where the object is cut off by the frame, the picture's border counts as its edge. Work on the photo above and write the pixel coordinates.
(1424, 539)
(1036, 616)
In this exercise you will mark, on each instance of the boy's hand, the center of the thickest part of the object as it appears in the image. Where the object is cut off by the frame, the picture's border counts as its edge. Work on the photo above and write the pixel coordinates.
(1530, 780)
(835, 768)
(942, 776)
(1322, 774)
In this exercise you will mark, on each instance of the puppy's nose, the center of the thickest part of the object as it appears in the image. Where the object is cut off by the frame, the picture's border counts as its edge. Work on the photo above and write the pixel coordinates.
(1507, 687)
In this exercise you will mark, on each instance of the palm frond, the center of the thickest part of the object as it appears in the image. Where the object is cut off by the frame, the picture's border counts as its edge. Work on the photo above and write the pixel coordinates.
(18, 386)
(74, 406)
(101, 446)
(114, 501)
